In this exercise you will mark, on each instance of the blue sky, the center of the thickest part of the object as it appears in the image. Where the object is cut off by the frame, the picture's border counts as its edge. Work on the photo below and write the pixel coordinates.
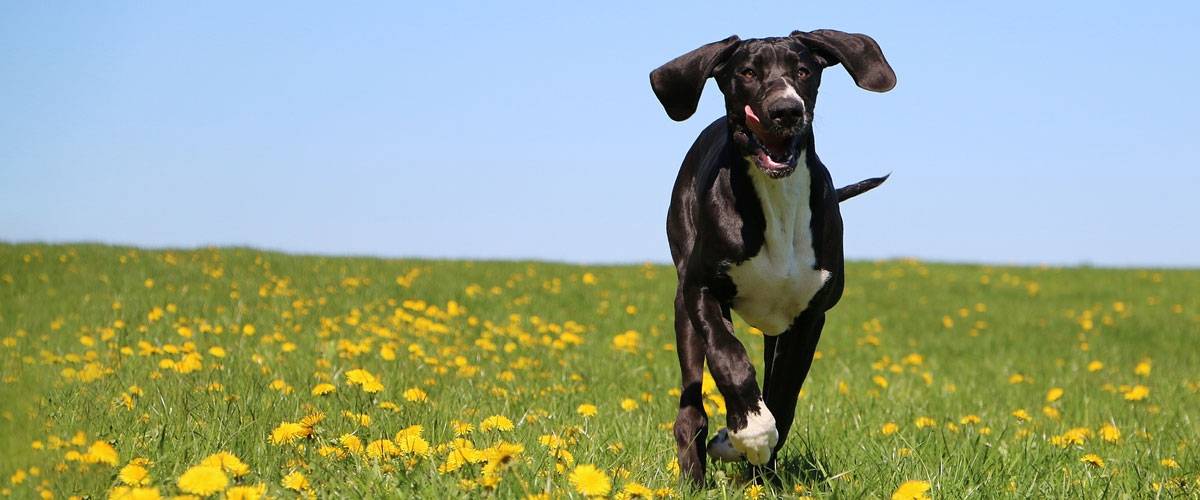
(1019, 132)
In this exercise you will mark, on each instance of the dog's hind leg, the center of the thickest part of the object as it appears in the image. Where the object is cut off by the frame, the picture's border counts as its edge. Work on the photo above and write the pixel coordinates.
(751, 428)
(691, 424)
(791, 358)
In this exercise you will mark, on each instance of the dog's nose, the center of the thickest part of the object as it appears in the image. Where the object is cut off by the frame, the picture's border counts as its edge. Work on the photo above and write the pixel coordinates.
(786, 113)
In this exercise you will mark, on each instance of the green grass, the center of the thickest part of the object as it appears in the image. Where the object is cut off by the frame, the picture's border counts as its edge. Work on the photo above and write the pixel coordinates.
(532, 342)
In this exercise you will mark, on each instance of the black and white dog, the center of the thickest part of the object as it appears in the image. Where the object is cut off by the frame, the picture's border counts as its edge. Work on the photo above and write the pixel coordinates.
(754, 226)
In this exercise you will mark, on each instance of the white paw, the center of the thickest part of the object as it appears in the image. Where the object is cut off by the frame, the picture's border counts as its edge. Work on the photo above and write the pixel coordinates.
(758, 438)
(719, 448)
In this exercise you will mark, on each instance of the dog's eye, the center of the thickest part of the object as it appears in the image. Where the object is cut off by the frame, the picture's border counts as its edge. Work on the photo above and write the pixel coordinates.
(747, 73)
(802, 73)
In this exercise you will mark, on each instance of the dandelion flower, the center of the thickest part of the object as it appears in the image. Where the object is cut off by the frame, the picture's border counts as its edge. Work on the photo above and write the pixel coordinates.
(1137, 393)
(288, 432)
(249, 492)
(323, 389)
(1095, 366)
(889, 428)
(587, 410)
(382, 448)
(101, 452)
(134, 475)
(295, 481)
(1110, 433)
(634, 490)
(912, 490)
(496, 422)
(203, 480)
(1022, 415)
(351, 443)
(462, 428)
(754, 492)
(415, 395)
(1093, 460)
(227, 462)
(1054, 394)
(365, 379)
(134, 493)
(628, 404)
(590, 481)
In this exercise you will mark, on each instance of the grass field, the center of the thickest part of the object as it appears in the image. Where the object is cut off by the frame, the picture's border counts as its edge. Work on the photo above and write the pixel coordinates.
(400, 378)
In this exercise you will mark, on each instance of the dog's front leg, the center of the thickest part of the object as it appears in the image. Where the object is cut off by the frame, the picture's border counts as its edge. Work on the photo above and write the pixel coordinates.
(691, 424)
(751, 427)
(789, 358)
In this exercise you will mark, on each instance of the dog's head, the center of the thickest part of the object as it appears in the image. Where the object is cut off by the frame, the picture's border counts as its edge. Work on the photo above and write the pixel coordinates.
(770, 86)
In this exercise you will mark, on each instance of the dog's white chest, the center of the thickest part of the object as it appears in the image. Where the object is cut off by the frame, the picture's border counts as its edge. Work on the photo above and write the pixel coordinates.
(775, 286)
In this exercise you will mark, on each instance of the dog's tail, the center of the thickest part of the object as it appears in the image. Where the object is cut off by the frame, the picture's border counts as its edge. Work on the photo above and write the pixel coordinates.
(846, 192)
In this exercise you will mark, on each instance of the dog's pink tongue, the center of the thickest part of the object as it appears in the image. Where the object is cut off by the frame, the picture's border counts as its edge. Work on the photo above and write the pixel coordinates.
(752, 120)
(775, 144)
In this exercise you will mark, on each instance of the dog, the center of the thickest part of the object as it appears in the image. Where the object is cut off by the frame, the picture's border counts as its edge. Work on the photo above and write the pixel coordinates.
(754, 226)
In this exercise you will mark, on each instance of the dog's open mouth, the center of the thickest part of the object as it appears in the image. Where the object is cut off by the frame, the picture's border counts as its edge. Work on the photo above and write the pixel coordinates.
(776, 154)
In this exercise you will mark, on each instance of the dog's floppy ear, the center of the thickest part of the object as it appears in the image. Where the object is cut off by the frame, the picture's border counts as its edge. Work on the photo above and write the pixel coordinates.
(858, 53)
(678, 83)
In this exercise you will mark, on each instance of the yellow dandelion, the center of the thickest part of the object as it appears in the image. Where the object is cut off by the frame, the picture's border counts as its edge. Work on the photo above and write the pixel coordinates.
(101, 453)
(1093, 460)
(1095, 366)
(633, 491)
(1137, 393)
(889, 428)
(203, 480)
(628, 404)
(1169, 463)
(382, 448)
(970, 420)
(587, 410)
(754, 492)
(1022, 415)
(133, 493)
(1051, 412)
(288, 432)
(925, 422)
(590, 481)
(359, 418)
(1110, 433)
(411, 442)
(462, 428)
(1142, 368)
(499, 456)
(227, 462)
(415, 395)
(912, 490)
(365, 379)
(1054, 394)
(248, 492)
(295, 481)
(323, 389)
(134, 475)
(496, 422)
(351, 443)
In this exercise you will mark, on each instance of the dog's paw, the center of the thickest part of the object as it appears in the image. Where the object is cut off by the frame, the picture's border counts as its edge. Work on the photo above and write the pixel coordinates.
(719, 448)
(758, 438)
